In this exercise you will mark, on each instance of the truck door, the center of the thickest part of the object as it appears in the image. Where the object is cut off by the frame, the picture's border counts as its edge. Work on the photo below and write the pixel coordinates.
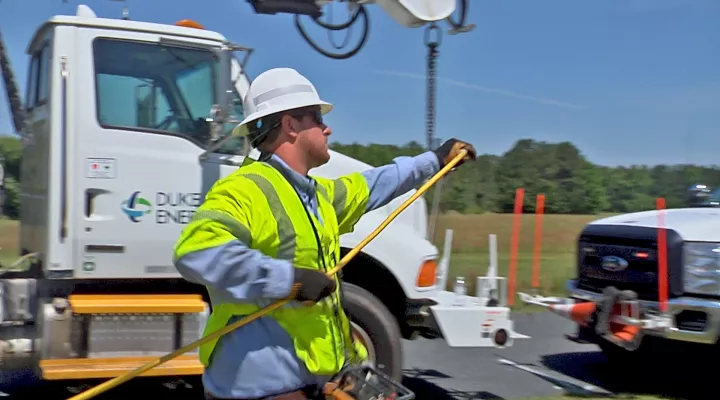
(140, 177)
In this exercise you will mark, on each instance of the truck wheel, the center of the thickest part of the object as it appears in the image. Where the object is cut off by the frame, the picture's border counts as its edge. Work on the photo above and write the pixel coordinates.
(375, 327)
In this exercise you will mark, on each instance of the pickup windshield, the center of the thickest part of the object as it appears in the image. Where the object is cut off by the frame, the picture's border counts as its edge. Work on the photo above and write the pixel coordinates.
(158, 88)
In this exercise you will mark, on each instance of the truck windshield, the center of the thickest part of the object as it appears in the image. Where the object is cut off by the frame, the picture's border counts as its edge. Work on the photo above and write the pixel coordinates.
(158, 88)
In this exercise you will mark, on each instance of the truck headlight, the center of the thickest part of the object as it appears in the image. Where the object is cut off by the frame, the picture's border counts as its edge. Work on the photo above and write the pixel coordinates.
(702, 268)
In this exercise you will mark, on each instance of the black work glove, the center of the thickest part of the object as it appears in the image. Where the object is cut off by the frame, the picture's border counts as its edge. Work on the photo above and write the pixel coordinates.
(451, 148)
(311, 285)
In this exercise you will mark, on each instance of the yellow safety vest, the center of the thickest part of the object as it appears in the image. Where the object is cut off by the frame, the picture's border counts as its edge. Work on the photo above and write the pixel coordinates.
(261, 208)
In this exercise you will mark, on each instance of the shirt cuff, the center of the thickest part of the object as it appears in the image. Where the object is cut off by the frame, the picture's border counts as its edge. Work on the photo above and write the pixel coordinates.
(280, 279)
(427, 163)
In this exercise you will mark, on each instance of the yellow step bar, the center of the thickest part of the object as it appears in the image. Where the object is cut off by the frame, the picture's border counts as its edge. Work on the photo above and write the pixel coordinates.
(94, 368)
(91, 368)
(136, 303)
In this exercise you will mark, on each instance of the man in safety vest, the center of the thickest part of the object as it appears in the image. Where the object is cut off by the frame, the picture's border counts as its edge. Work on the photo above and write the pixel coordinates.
(268, 231)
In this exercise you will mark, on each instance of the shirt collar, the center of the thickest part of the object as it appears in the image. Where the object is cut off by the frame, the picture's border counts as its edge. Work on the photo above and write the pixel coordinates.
(303, 183)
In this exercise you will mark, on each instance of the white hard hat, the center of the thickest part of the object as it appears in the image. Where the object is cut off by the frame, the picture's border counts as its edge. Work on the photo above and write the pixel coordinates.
(276, 90)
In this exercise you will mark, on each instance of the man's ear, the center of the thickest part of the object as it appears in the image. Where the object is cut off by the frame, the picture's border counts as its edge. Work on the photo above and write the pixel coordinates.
(290, 126)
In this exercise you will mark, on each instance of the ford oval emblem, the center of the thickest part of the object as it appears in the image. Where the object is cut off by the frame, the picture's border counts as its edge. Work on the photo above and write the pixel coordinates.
(613, 263)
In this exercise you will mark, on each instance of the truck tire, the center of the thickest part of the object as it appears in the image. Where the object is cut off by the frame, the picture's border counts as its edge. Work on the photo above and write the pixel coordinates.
(372, 321)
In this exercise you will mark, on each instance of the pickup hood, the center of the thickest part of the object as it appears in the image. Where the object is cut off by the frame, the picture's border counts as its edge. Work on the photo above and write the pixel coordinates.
(692, 224)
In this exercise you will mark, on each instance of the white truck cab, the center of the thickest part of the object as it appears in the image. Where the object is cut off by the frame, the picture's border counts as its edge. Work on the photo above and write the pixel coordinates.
(622, 251)
(127, 128)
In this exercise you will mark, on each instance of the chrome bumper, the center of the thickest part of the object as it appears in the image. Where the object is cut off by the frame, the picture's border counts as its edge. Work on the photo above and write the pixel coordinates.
(706, 334)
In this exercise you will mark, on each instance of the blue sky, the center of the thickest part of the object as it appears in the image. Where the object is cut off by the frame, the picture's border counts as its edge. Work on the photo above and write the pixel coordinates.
(627, 81)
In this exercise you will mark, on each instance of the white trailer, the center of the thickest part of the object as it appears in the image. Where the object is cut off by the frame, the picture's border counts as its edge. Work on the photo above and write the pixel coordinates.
(126, 128)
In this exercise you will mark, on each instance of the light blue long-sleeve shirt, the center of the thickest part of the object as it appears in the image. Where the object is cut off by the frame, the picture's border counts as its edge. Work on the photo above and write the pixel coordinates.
(259, 359)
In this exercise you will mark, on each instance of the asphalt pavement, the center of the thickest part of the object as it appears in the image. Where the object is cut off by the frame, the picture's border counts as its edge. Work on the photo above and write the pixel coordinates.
(435, 371)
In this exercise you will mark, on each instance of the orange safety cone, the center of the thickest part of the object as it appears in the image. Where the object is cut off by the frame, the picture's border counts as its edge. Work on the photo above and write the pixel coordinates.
(626, 336)
(580, 313)
(624, 332)
(619, 303)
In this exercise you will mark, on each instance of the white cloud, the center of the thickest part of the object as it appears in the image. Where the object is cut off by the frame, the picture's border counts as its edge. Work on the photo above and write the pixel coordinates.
(501, 92)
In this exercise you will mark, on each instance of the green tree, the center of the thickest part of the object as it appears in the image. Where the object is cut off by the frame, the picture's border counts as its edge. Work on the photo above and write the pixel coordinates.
(11, 153)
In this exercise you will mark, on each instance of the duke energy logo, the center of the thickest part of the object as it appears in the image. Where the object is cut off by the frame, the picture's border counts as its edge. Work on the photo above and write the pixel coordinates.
(135, 207)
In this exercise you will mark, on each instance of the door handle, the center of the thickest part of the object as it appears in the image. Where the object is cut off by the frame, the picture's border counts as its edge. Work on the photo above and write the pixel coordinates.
(90, 195)
(89, 202)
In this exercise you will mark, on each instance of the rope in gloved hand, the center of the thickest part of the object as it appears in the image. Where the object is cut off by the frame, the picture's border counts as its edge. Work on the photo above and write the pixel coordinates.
(107, 385)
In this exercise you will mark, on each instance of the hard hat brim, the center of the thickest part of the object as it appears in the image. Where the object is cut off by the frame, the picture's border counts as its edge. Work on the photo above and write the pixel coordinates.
(242, 130)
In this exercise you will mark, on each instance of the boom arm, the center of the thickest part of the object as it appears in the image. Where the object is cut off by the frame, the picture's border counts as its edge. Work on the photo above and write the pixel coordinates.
(13, 93)
(409, 13)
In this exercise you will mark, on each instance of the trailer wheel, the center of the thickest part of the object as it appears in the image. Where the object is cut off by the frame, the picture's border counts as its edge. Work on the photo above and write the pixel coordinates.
(374, 326)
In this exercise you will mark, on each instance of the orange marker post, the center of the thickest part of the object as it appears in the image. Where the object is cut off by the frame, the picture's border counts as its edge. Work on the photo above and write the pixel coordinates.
(539, 211)
(514, 243)
(662, 256)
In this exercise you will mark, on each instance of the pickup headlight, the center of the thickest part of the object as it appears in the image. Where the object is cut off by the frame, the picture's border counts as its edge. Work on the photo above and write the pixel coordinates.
(702, 268)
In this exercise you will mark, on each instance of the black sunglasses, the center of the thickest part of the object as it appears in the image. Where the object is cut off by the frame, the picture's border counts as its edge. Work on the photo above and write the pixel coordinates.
(314, 113)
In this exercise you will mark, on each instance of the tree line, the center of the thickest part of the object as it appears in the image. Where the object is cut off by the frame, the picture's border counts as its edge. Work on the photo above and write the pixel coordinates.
(10, 155)
(571, 184)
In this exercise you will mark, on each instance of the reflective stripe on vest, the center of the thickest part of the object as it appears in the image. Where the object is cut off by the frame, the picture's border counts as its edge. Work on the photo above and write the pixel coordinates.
(320, 332)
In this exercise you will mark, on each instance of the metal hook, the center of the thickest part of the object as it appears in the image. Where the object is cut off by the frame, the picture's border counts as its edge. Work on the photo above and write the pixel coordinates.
(438, 35)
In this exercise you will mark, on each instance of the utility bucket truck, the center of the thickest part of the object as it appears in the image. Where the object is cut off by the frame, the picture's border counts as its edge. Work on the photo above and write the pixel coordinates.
(126, 126)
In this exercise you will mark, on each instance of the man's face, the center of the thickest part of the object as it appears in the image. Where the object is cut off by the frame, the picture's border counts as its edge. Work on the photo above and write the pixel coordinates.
(313, 136)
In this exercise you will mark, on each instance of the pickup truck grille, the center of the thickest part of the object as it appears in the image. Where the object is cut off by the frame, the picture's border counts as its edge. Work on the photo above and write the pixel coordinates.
(635, 245)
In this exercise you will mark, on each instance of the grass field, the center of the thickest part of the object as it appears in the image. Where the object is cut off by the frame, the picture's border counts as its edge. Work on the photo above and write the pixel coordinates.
(8, 241)
(470, 256)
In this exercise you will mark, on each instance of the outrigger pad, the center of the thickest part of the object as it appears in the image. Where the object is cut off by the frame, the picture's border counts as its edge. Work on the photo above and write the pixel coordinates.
(363, 382)
(624, 335)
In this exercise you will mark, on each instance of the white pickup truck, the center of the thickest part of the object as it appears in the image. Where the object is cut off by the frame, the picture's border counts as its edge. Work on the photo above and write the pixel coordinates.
(622, 251)
(127, 128)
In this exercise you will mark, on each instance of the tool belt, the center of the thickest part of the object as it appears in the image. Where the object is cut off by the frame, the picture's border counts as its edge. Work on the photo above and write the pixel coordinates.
(352, 383)
(363, 382)
(308, 393)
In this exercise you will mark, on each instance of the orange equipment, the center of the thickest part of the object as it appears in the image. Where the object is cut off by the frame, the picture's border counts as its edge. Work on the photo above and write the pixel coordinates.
(615, 317)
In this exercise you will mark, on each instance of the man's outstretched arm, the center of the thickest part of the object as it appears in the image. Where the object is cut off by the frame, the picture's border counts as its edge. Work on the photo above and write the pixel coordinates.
(387, 182)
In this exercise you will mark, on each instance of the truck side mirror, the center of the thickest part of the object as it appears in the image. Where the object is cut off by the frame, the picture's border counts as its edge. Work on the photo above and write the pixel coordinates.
(146, 105)
(220, 111)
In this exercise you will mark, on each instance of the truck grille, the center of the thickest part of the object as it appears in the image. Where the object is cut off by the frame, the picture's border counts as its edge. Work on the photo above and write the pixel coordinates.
(635, 245)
